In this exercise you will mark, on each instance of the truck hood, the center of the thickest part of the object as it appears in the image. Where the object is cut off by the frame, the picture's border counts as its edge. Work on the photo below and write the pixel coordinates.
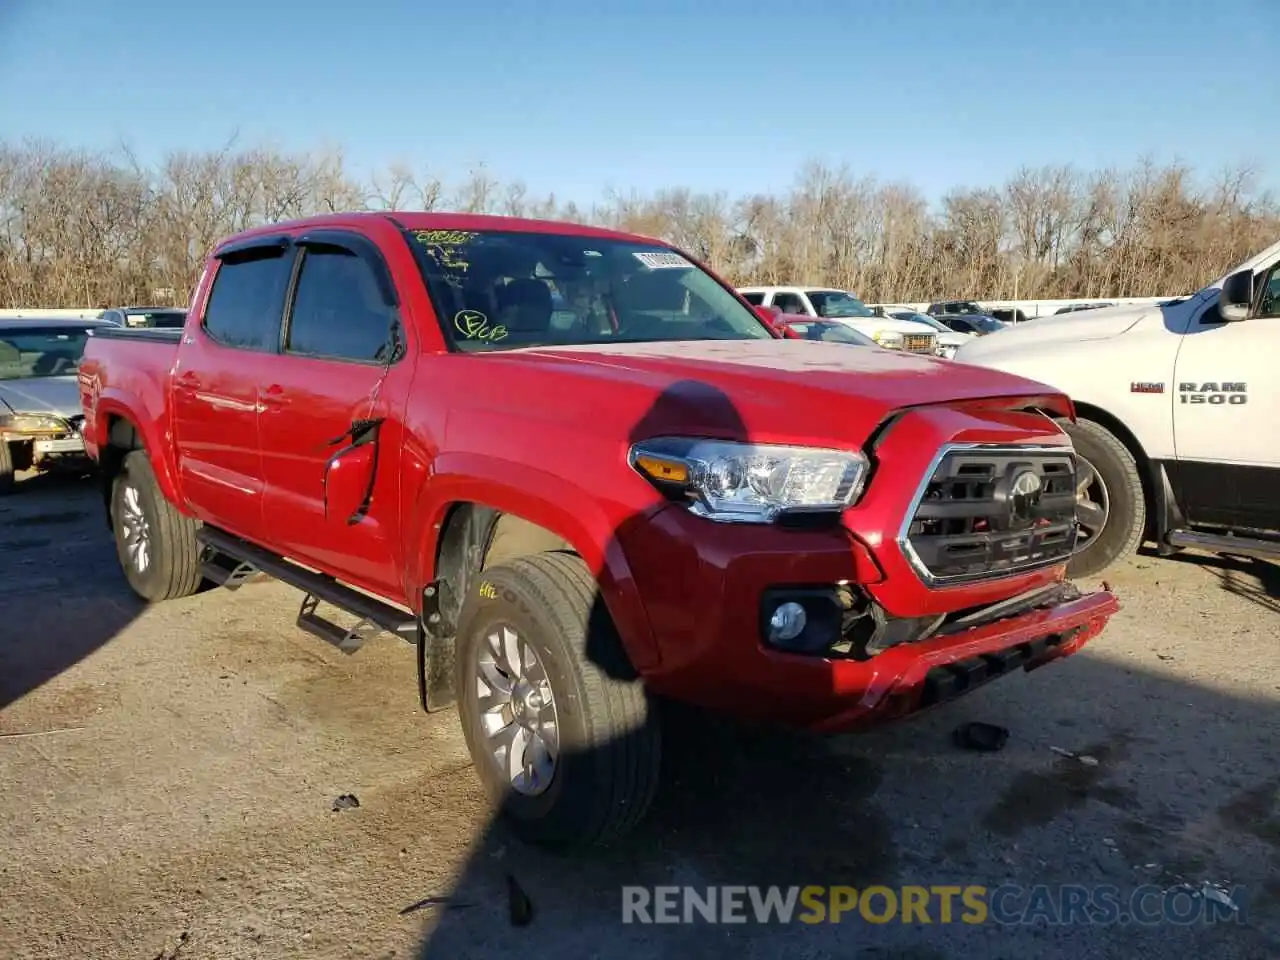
(779, 391)
(56, 395)
(1101, 324)
(1031, 336)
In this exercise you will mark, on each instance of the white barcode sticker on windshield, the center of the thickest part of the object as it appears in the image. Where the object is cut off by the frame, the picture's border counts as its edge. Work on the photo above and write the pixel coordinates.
(661, 261)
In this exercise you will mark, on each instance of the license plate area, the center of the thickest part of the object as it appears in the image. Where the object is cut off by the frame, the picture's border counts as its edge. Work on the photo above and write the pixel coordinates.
(62, 445)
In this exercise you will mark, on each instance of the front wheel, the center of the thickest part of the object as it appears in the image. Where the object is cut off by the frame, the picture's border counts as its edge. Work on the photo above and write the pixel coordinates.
(156, 544)
(1111, 509)
(564, 738)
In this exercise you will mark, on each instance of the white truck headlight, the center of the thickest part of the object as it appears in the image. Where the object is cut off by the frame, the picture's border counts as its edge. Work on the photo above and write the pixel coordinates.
(33, 424)
(750, 482)
(888, 339)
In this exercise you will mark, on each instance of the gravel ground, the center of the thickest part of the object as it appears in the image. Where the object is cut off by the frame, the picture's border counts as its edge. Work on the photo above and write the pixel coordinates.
(167, 778)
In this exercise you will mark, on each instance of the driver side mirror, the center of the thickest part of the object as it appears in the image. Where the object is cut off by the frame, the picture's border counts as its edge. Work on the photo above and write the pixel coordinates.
(1236, 300)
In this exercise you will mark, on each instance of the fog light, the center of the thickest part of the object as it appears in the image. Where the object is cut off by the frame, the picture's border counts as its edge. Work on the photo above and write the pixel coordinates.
(787, 622)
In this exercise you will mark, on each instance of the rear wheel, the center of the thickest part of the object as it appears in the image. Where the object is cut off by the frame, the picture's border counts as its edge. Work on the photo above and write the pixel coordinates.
(1111, 509)
(156, 544)
(6, 468)
(564, 738)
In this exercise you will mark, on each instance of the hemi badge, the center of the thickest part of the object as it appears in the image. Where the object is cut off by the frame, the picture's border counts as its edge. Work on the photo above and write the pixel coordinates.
(1146, 388)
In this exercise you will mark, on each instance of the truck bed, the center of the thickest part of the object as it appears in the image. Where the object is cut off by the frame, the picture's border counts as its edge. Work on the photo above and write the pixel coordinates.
(123, 363)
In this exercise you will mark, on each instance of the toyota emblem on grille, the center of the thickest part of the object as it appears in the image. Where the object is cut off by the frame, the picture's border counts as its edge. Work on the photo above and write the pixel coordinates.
(1024, 495)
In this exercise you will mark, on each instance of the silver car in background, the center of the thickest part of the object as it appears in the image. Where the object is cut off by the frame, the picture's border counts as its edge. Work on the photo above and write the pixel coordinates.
(40, 414)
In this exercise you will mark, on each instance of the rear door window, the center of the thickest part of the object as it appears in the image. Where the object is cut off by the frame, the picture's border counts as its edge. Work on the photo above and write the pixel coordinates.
(247, 301)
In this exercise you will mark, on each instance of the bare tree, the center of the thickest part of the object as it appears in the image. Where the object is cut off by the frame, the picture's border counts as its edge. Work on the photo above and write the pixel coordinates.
(82, 229)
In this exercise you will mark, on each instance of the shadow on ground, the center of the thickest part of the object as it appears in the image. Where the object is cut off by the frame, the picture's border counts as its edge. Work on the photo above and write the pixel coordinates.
(57, 560)
(1184, 791)
(1257, 581)
(1179, 787)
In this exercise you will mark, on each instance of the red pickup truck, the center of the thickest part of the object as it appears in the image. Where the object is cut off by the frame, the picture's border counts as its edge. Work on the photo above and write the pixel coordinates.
(584, 477)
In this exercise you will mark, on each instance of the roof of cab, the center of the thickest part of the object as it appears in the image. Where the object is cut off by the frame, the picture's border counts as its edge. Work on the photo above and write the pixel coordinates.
(417, 220)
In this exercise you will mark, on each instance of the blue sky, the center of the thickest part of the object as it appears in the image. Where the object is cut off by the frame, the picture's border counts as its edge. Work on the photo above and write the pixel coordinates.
(570, 96)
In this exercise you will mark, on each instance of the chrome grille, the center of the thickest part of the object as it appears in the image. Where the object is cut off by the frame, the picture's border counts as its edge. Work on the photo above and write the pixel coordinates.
(987, 511)
(919, 343)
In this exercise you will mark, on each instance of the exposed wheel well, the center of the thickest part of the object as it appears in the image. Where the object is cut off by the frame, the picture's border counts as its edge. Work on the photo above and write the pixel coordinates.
(122, 437)
(474, 537)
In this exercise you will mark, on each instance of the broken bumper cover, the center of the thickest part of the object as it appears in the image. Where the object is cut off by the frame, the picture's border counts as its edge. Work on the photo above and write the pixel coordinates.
(909, 678)
(828, 694)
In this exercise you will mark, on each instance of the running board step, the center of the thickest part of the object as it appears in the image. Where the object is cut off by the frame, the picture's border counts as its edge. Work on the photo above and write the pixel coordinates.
(1218, 543)
(227, 572)
(348, 641)
(374, 615)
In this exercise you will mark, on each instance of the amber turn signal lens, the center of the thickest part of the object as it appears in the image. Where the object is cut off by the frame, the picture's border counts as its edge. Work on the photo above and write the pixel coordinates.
(671, 471)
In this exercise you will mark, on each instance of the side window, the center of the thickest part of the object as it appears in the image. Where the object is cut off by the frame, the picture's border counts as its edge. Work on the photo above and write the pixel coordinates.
(1269, 305)
(789, 303)
(755, 299)
(247, 300)
(338, 310)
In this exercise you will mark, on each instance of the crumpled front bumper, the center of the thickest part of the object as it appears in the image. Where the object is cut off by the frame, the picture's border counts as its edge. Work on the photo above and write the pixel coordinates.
(909, 678)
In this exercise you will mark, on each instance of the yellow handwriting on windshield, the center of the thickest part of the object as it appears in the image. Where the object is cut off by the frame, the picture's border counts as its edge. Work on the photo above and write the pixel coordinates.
(450, 237)
(474, 324)
(442, 246)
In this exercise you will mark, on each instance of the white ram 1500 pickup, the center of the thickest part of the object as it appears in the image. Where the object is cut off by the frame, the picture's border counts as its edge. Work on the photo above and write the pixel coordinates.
(1178, 411)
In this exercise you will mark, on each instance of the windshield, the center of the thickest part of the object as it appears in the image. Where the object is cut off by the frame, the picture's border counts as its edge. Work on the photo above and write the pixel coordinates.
(40, 352)
(831, 333)
(836, 303)
(504, 290)
(987, 324)
(921, 318)
(963, 307)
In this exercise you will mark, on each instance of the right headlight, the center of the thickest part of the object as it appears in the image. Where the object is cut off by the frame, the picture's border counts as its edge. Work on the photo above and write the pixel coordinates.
(888, 339)
(33, 424)
(750, 482)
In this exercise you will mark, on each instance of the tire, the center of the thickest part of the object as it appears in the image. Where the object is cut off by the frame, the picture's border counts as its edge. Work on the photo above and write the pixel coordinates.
(1121, 495)
(22, 455)
(6, 469)
(606, 766)
(168, 543)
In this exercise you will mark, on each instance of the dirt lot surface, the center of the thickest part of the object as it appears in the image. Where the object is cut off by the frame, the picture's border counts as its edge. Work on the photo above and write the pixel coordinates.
(167, 777)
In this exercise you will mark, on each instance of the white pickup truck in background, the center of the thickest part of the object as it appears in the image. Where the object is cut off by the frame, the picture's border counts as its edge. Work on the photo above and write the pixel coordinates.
(844, 307)
(949, 341)
(1178, 408)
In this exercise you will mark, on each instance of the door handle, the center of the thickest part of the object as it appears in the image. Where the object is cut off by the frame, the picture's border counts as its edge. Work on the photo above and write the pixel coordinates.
(272, 396)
